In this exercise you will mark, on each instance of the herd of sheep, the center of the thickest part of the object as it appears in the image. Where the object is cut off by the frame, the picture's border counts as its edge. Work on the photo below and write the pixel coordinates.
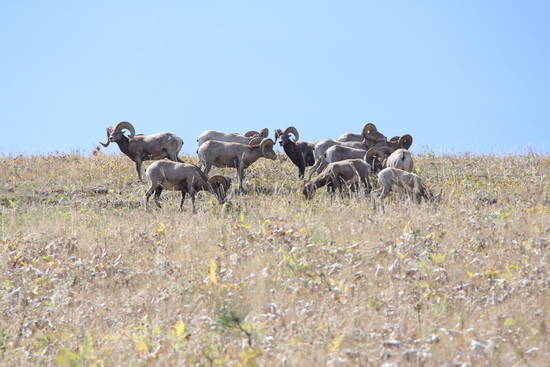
(348, 161)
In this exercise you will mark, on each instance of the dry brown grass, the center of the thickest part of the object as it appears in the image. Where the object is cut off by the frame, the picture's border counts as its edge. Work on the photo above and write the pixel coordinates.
(89, 278)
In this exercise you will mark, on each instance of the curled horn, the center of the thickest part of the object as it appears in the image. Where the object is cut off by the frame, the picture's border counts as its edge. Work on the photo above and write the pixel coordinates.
(294, 131)
(128, 126)
(372, 152)
(266, 144)
(405, 141)
(370, 132)
(369, 128)
(251, 133)
(221, 185)
(110, 130)
(256, 140)
(264, 132)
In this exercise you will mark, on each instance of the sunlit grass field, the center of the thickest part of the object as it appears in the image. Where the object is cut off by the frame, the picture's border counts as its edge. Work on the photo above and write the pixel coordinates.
(88, 277)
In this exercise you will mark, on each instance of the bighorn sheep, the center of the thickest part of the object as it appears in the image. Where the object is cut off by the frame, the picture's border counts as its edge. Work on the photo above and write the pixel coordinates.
(393, 179)
(338, 153)
(350, 171)
(370, 138)
(231, 137)
(141, 148)
(378, 155)
(401, 159)
(369, 133)
(187, 178)
(299, 152)
(234, 155)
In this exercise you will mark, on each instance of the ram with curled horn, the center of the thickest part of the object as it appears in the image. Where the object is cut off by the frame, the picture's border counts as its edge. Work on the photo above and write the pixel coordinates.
(141, 147)
(351, 144)
(187, 178)
(299, 152)
(231, 137)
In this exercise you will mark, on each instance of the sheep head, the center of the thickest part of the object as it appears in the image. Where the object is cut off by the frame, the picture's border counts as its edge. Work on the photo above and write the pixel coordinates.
(405, 141)
(266, 146)
(376, 157)
(252, 133)
(370, 134)
(308, 189)
(284, 136)
(220, 185)
(114, 134)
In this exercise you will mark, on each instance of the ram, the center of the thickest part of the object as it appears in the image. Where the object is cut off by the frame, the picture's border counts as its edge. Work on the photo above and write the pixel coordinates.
(299, 152)
(370, 138)
(187, 178)
(141, 148)
(369, 133)
(234, 155)
(230, 137)
(351, 172)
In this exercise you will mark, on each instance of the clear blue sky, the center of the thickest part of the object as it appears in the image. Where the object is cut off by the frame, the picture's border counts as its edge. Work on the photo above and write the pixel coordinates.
(459, 76)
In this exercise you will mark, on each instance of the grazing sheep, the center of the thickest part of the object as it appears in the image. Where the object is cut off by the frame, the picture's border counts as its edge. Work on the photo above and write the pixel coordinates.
(230, 137)
(141, 148)
(401, 159)
(299, 152)
(393, 179)
(234, 155)
(350, 171)
(187, 178)
(370, 138)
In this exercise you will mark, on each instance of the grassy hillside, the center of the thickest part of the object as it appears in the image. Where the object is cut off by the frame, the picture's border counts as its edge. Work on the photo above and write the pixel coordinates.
(89, 278)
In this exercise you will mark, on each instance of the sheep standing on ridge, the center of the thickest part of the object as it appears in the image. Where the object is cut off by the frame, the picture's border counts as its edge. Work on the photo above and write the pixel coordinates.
(187, 178)
(350, 171)
(299, 152)
(370, 137)
(234, 155)
(141, 148)
(231, 137)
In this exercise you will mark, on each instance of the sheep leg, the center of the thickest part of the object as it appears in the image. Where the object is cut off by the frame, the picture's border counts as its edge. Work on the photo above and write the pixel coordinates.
(138, 168)
(183, 193)
(240, 173)
(156, 197)
(148, 195)
(206, 168)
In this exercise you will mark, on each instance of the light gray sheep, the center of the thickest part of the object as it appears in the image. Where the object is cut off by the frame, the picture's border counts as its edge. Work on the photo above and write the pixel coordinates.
(234, 155)
(141, 148)
(187, 178)
(231, 137)
(370, 137)
(399, 181)
(401, 159)
(350, 171)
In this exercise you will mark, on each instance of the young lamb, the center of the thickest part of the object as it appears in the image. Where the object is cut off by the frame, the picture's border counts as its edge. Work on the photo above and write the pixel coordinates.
(394, 179)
